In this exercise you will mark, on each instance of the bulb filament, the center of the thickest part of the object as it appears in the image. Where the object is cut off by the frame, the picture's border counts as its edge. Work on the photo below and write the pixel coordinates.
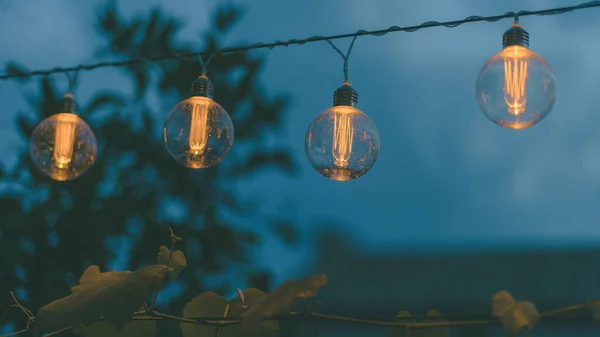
(64, 139)
(199, 128)
(343, 131)
(515, 79)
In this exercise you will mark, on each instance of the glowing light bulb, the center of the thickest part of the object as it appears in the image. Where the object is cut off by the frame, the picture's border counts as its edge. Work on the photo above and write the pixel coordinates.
(198, 132)
(63, 146)
(342, 143)
(516, 87)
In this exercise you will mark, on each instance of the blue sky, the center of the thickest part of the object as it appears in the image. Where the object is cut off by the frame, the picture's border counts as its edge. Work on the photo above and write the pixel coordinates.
(445, 174)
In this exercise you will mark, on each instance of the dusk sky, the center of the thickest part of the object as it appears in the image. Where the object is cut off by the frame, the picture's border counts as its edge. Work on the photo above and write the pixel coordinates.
(445, 173)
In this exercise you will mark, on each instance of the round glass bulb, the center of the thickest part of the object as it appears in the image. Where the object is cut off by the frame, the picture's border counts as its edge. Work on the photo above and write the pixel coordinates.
(63, 146)
(198, 132)
(516, 88)
(342, 143)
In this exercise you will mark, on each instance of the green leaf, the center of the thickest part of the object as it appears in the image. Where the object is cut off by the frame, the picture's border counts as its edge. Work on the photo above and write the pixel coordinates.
(433, 316)
(26, 125)
(280, 300)
(404, 317)
(211, 305)
(308, 287)
(227, 16)
(176, 260)
(14, 68)
(93, 274)
(112, 296)
(137, 328)
(278, 158)
(205, 305)
(103, 99)
(502, 302)
(108, 18)
(594, 305)
(403, 314)
(514, 316)
(266, 328)
(286, 230)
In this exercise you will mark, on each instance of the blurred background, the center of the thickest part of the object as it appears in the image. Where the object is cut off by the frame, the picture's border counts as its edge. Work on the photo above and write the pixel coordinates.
(455, 209)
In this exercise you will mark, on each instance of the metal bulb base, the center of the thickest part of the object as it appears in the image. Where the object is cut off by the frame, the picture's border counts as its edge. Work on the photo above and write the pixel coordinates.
(515, 36)
(69, 104)
(203, 87)
(345, 96)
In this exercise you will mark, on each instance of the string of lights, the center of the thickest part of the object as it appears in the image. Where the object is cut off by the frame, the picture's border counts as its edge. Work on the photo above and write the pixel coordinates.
(515, 89)
(291, 42)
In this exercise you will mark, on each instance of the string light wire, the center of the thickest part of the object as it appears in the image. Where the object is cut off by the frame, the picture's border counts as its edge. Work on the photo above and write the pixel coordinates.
(287, 43)
(345, 57)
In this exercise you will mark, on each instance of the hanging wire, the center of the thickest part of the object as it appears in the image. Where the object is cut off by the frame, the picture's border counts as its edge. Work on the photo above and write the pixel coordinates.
(205, 64)
(72, 79)
(287, 43)
(344, 57)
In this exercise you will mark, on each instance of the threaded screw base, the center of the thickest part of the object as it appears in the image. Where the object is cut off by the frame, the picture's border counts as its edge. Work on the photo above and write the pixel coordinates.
(202, 86)
(345, 95)
(515, 36)
(69, 104)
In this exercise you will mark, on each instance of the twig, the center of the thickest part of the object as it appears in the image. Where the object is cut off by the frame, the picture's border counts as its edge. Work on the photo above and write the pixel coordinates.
(15, 333)
(6, 312)
(29, 320)
(27, 312)
(220, 322)
(59, 331)
(563, 310)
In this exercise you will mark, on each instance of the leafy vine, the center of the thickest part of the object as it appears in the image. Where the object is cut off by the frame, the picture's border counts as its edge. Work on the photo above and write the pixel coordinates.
(117, 304)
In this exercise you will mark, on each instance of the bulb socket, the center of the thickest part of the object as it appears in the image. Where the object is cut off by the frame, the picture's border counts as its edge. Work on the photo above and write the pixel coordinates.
(202, 86)
(69, 104)
(345, 95)
(515, 36)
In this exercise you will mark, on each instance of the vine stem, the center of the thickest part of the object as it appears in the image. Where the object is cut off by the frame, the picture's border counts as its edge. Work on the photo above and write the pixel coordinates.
(563, 310)
(60, 331)
(26, 311)
(15, 333)
(219, 322)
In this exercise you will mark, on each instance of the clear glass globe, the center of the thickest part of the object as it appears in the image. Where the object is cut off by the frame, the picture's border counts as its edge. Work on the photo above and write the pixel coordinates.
(198, 132)
(342, 143)
(516, 88)
(63, 146)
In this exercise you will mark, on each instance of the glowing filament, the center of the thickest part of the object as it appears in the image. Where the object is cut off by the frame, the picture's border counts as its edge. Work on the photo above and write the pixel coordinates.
(64, 139)
(343, 131)
(199, 128)
(515, 78)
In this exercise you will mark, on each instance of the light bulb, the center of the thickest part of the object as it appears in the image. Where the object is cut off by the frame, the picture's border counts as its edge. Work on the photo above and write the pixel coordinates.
(516, 87)
(198, 132)
(63, 146)
(342, 143)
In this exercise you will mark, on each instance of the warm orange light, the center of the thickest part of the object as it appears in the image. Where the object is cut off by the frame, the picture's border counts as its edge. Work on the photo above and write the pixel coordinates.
(516, 65)
(199, 127)
(343, 132)
(64, 139)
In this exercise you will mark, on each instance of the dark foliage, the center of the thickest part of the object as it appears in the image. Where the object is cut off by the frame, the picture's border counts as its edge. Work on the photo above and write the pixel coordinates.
(53, 238)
